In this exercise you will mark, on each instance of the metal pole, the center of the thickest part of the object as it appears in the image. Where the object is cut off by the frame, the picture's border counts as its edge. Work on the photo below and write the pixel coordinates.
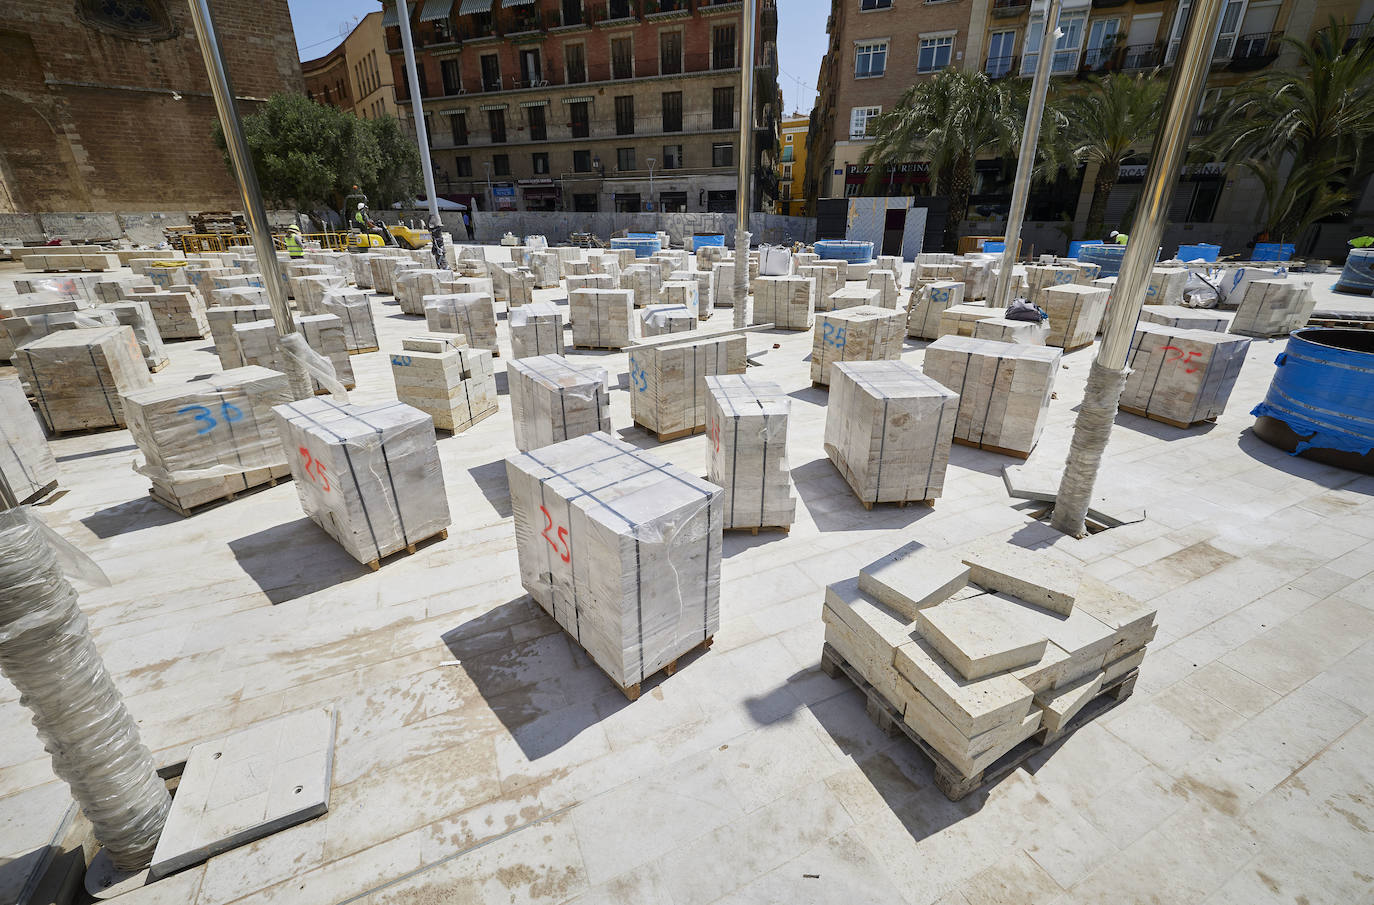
(744, 166)
(1025, 164)
(417, 107)
(249, 190)
(1108, 376)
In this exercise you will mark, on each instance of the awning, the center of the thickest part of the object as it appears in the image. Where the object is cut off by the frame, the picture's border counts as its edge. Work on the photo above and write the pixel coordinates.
(543, 103)
(493, 106)
(471, 7)
(391, 19)
(540, 191)
(587, 99)
(436, 9)
(507, 4)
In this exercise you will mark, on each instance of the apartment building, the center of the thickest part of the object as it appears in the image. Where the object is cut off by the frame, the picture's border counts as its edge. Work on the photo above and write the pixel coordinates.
(792, 165)
(591, 105)
(356, 76)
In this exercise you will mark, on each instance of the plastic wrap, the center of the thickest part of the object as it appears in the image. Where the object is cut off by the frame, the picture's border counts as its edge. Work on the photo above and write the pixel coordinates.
(27, 466)
(221, 321)
(23, 330)
(642, 248)
(47, 652)
(324, 335)
(179, 314)
(536, 243)
(1273, 307)
(546, 267)
(472, 314)
(746, 451)
(354, 308)
(77, 376)
(864, 333)
(621, 548)
(788, 303)
(412, 286)
(602, 318)
(310, 290)
(885, 282)
(1323, 390)
(662, 320)
(239, 296)
(844, 250)
(825, 282)
(555, 399)
(667, 381)
(536, 329)
(1007, 329)
(138, 317)
(928, 302)
(439, 375)
(706, 289)
(1180, 374)
(1004, 389)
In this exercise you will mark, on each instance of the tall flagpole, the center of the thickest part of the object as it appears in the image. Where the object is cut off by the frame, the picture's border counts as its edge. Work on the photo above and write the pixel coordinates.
(436, 225)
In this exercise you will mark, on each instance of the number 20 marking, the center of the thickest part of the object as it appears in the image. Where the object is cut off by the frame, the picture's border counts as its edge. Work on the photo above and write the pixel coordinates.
(564, 554)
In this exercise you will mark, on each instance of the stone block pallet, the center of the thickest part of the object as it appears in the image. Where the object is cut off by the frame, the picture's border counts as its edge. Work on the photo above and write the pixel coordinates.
(746, 452)
(865, 333)
(439, 375)
(1181, 377)
(78, 376)
(28, 471)
(1004, 390)
(555, 399)
(668, 381)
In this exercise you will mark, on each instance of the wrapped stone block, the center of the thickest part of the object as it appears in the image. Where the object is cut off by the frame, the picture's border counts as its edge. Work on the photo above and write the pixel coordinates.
(865, 333)
(1076, 313)
(536, 329)
(325, 334)
(826, 280)
(710, 254)
(555, 399)
(621, 548)
(1109, 284)
(453, 384)
(788, 303)
(354, 308)
(207, 439)
(1181, 376)
(369, 475)
(1186, 318)
(179, 315)
(1166, 286)
(546, 268)
(746, 451)
(1005, 330)
(888, 430)
(472, 314)
(385, 270)
(238, 296)
(660, 320)
(360, 269)
(1088, 273)
(138, 316)
(519, 287)
(706, 289)
(1004, 390)
(592, 281)
(945, 272)
(1273, 308)
(978, 278)
(222, 321)
(850, 297)
(412, 286)
(679, 292)
(602, 318)
(885, 281)
(644, 280)
(803, 259)
(664, 264)
(309, 291)
(1042, 277)
(667, 381)
(21, 330)
(723, 277)
(27, 467)
(959, 320)
(77, 376)
(928, 302)
(111, 291)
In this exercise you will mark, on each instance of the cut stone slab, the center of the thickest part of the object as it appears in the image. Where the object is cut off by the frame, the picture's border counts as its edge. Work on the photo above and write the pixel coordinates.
(977, 637)
(913, 577)
(1026, 482)
(973, 706)
(247, 785)
(1062, 704)
(1031, 576)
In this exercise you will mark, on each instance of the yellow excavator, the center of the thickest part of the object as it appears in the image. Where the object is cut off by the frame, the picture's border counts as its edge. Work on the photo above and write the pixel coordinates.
(360, 238)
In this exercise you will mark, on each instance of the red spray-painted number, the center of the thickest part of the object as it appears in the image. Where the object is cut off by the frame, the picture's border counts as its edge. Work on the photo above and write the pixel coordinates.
(314, 469)
(565, 553)
(1180, 356)
(715, 434)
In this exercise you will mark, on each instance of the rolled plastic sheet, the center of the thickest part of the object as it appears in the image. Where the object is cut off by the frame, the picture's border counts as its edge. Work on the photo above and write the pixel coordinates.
(1323, 390)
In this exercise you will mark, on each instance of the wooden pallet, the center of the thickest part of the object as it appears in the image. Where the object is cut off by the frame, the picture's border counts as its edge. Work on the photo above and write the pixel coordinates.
(153, 369)
(364, 351)
(229, 497)
(900, 504)
(599, 348)
(755, 529)
(632, 692)
(72, 270)
(39, 494)
(467, 424)
(948, 778)
(408, 549)
(1014, 453)
(83, 431)
(1181, 425)
(675, 435)
(1079, 346)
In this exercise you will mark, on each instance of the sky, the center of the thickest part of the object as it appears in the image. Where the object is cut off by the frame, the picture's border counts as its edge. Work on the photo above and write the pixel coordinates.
(321, 24)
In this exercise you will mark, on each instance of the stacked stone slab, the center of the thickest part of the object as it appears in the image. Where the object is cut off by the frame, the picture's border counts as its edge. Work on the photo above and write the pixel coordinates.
(472, 314)
(602, 318)
(978, 651)
(27, 467)
(710, 254)
(383, 268)
(56, 263)
(723, 276)
(865, 333)
(850, 297)
(661, 320)
(412, 286)
(1041, 277)
(311, 290)
(1186, 318)
(453, 384)
(680, 292)
(1005, 330)
(1181, 376)
(668, 381)
(115, 290)
(1004, 390)
(77, 376)
(1087, 273)
(948, 271)
(360, 269)
(222, 321)
(1166, 286)
(353, 307)
(546, 269)
(928, 303)
(888, 429)
(536, 329)
(22, 330)
(622, 549)
(885, 281)
(236, 296)
(138, 316)
(519, 286)
(179, 315)
(788, 303)
(825, 280)
(746, 451)
(977, 278)
(960, 320)
(705, 282)
(1273, 308)
(644, 280)
(555, 399)
(1076, 313)
(369, 475)
(207, 439)
(325, 334)
(592, 281)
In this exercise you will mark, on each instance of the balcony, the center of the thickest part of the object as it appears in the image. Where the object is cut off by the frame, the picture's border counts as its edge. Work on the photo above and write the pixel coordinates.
(1001, 67)
(1008, 9)
(1141, 56)
(594, 71)
(1255, 51)
(1100, 59)
(666, 9)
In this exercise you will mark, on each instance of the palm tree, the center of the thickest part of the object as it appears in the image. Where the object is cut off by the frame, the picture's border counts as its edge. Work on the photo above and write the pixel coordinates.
(1116, 114)
(1305, 133)
(951, 120)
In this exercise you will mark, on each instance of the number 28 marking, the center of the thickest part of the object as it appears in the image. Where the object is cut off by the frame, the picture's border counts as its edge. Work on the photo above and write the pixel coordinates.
(565, 553)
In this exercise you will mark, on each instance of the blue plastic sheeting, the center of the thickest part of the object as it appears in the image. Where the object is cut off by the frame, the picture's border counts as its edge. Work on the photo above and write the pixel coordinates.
(1358, 273)
(701, 241)
(1198, 252)
(1108, 257)
(844, 250)
(994, 248)
(1271, 251)
(642, 248)
(1076, 247)
(1324, 394)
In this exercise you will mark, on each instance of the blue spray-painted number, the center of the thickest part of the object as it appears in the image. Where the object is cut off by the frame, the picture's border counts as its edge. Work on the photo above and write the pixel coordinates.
(833, 336)
(227, 410)
(402, 360)
(638, 378)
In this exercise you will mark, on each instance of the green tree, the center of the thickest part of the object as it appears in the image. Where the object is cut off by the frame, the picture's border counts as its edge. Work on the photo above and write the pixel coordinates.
(398, 172)
(1116, 114)
(1305, 133)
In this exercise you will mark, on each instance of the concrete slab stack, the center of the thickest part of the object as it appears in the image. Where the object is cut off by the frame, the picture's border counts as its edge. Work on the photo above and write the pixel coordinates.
(27, 467)
(546, 268)
(661, 320)
(78, 376)
(354, 308)
(1076, 313)
(951, 271)
(384, 269)
(1181, 376)
(179, 315)
(667, 381)
(472, 314)
(454, 384)
(519, 282)
(555, 399)
(865, 333)
(238, 295)
(222, 321)
(788, 303)
(536, 329)
(746, 451)
(602, 318)
(928, 302)
(592, 281)
(309, 291)
(1004, 390)
(1273, 308)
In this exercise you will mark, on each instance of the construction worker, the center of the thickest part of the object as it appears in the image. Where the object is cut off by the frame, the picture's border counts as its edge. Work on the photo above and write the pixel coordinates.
(360, 217)
(292, 241)
(1120, 238)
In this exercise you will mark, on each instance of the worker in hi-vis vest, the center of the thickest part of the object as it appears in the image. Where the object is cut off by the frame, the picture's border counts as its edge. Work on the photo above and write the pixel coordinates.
(360, 217)
(1120, 238)
(292, 241)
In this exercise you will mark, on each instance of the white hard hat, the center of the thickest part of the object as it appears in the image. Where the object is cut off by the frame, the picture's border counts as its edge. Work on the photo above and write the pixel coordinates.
(361, 205)
(1114, 234)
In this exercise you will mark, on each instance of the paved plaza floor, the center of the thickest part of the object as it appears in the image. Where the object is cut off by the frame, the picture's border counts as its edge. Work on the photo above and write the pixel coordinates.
(1239, 772)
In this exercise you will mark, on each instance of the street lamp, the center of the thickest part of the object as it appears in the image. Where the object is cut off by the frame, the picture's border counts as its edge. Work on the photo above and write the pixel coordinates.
(651, 182)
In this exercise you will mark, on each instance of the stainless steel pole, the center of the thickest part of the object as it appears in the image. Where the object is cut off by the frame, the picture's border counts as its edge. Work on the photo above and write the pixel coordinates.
(417, 108)
(1025, 163)
(1108, 376)
(249, 190)
(745, 163)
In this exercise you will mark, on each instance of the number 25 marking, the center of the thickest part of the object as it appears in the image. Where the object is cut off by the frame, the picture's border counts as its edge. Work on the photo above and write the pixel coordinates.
(638, 379)
(564, 554)
(1179, 356)
(314, 469)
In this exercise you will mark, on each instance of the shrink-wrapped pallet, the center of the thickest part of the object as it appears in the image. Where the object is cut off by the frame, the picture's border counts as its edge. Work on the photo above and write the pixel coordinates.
(885, 281)
(959, 320)
(1042, 277)
(309, 291)
(602, 318)
(453, 384)
(519, 287)
(236, 296)
(1004, 390)
(644, 280)
(680, 292)
(592, 281)
(928, 302)
(1273, 308)
(865, 333)
(472, 314)
(260, 344)
(667, 381)
(207, 439)
(325, 334)
(233, 281)
(803, 259)
(950, 271)
(664, 264)
(546, 268)
(746, 451)
(622, 549)
(165, 273)
(1181, 376)
(536, 329)
(888, 430)
(222, 321)
(1087, 272)
(20, 331)
(576, 268)
(354, 308)
(706, 289)
(483, 285)
(77, 376)
(553, 399)
(385, 271)
(137, 316)
(1076, 313)
(1005, 330)
(1186, 318)
(850, 297)
(114, 290)
(710, 254)
(723, 276)
(412, 286)
(660, 320)
(369, 475)
(27, 467)
(977, 278)
(1166, 286)
(788, 303)
(825, 281)
(360, 269)
(179, 315)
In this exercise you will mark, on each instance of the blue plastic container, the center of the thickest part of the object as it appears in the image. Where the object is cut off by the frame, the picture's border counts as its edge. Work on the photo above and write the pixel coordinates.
(1108, 257)
(701, 240)
(994, 248)
(844, 250)
(1272, 251)
(1322, 396)
(1358, 273)
(642, 246)
(642, 235)
(1075, 247)
(1201, 251)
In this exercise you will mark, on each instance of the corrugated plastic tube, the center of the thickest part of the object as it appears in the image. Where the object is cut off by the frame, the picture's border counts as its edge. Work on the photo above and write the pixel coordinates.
(47, 652)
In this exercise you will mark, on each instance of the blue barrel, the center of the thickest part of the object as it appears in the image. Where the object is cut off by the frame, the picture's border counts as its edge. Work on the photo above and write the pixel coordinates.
(1196, 252)
(1321, 400)
(643, 247)
(844, 250)
(1358, 273)
(642, 235)
(1271, 251)
(701, 240)
(1075, 247)
(1108, 257)
(994, 248)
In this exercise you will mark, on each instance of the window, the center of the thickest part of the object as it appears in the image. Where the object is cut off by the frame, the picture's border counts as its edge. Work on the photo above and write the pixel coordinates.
(491, 72)
(1001, 53)
(875, 4)
(500, 164)
(1228, 29)
(540, 162)
(141, 20)
(496, 124)
(860, 120)
(531, 68)
(723, 155)
(672, 111)
(624, 158)
(723, 107)
(787, 171)
(463, 166)
(672, 157)
(669, 52)
(572, 12)
(582, 161)
(1102, 36)
(673, 202)
(1066, 49)
(622, 58)
(625, 115)
(539, 129)
(453, 81)
(458, 125)
(723, 47)
(870, 59)
(934, 53)
(579, 119)
(720, 202)
(584, 203)
(626, 203)
(575, 62)
(619, 9)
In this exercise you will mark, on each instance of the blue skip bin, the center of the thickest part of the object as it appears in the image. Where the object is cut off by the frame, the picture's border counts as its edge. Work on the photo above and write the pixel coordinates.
(854, 252)
(1272, 251)
(1196, 252)
(643, 247)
